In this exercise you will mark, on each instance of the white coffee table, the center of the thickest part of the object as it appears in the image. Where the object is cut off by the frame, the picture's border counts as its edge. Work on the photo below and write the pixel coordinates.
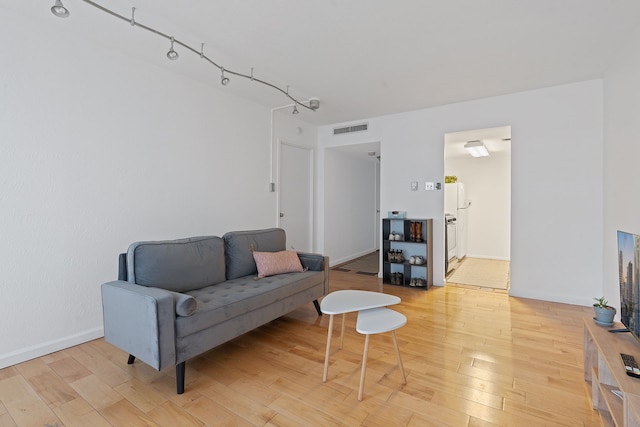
(347, 301)
(377, 321)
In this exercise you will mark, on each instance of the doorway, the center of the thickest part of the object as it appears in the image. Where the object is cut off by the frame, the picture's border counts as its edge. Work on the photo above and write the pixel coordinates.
(351, 201)
(478, 198)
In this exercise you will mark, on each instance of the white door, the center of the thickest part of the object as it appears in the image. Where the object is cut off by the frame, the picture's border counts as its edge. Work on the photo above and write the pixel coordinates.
(296, 196)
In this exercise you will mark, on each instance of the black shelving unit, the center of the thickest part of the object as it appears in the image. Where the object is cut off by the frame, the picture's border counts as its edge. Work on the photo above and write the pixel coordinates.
(410, 244)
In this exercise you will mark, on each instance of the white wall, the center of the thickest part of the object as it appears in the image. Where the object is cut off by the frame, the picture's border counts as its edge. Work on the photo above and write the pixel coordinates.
(556, 167)
(349, 205)
(487, 182)
(621, 159)
(97, 151)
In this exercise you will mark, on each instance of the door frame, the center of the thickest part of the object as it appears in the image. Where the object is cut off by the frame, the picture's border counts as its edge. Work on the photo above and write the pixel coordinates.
(483, 133)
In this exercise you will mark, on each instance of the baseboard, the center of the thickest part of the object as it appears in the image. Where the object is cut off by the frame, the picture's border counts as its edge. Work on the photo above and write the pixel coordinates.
(552, 297)
(335, 262)
(497, 258)
(22, 355)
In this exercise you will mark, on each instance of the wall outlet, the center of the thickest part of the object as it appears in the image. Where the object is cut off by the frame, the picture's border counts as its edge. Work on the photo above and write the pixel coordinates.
(430, 186)
(414, 185)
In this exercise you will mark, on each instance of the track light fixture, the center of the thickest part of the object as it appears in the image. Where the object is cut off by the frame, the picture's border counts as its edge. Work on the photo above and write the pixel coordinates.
(224, 80)
(172, 54)
(312, 104)
(59, 10)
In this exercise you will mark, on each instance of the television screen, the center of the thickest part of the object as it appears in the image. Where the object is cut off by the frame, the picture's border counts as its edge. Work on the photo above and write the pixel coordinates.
(628, 271)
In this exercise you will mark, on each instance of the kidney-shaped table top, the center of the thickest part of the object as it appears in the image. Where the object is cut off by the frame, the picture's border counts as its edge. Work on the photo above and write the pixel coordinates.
(345, 301)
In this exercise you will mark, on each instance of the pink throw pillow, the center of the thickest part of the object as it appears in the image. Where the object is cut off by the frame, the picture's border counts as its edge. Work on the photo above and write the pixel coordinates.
(271, 263)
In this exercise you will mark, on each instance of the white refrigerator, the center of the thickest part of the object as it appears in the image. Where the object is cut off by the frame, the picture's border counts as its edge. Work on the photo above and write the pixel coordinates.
(457, 204)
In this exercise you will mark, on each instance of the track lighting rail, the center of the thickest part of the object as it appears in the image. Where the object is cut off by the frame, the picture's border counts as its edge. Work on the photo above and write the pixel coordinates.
(313, 104)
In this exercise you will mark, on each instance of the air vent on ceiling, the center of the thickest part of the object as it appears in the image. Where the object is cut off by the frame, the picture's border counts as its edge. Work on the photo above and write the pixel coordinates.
(349, 129)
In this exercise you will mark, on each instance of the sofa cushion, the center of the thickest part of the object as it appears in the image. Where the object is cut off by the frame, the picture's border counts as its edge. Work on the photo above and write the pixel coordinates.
(235, 298)
(271, 263)
(177, 265)
(239, 245)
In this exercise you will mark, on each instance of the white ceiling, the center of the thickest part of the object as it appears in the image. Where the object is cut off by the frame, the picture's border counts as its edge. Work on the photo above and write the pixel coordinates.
(365, 58)
(497, 140)
(369, 150)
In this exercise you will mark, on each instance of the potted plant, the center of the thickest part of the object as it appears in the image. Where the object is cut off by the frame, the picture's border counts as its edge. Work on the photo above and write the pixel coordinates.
(604, 312)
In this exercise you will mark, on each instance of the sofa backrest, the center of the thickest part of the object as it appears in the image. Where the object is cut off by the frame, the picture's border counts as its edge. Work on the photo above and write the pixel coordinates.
(177, 265)
(239, 245)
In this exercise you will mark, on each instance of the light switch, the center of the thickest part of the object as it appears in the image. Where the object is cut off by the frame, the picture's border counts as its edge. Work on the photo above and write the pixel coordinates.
(414, 185)
(430, 186)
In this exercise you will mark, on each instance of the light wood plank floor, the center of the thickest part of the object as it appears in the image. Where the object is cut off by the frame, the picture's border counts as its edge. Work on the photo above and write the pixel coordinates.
(487, 273)
(472, 357)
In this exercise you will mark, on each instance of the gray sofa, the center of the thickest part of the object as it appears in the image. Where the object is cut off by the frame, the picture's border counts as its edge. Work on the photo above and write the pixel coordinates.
(177, 299)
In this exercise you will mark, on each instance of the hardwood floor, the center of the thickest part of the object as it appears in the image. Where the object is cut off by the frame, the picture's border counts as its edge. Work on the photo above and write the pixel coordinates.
(487, 273)
(472, 357)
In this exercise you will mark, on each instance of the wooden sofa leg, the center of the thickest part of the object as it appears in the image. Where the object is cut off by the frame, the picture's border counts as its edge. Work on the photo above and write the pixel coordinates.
(317, 306)
(180, 377)
(132, 359)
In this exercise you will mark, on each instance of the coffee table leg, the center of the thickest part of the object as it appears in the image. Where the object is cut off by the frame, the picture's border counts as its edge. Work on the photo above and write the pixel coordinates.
(344, 319)
(364, 366)
(395, 343)
(326, 355)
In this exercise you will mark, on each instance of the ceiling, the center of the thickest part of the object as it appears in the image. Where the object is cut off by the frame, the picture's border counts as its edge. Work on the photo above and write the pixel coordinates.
(367, 150)
(365, 58)
(497, 140)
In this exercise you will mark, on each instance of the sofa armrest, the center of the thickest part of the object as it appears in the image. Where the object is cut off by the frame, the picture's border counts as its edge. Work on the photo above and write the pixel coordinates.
(313, 262)
(316, 262)
(141, 321)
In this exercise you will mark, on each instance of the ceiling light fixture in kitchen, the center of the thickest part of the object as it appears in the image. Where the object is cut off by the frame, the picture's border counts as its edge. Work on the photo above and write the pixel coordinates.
(476, 148)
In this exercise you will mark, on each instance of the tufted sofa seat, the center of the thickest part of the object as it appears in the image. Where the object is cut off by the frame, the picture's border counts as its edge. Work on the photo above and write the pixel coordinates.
(236, 297)
(180, 298)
